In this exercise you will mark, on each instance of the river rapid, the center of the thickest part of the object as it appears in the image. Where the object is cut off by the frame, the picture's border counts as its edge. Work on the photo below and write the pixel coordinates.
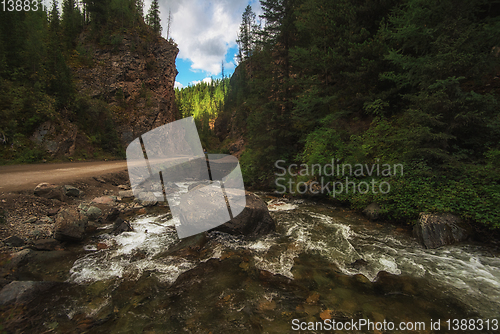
(322, 264)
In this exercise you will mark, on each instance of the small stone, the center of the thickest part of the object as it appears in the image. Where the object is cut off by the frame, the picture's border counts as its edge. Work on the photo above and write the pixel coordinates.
(14, 241)
(93, 212)
(46, 220)
(52, 212)
(46, 244)
(148, 199)
(123, 187)
(71, 191)
(121, 226)
(99, 179)
(102, 245)
(112, 215)
(70, 225)
(30, 220)
(104, 200)
(126, 194)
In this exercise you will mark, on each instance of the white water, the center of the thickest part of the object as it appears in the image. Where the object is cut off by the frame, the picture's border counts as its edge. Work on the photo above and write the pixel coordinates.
(470, 273)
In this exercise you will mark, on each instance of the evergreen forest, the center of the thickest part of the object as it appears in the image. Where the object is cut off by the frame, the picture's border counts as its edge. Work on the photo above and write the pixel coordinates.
(410, 82)
(39, 48)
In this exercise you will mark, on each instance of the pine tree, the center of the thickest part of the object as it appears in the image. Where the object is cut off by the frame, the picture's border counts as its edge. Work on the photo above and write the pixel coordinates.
(247, 35)
(153, 17)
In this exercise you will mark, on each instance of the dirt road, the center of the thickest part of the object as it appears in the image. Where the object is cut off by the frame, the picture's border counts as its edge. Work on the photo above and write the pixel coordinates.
(24, 177)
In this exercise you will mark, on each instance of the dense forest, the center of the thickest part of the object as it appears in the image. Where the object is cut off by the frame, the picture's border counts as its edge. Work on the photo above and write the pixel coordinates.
(38, 49)
(397, 82)
(203, 101)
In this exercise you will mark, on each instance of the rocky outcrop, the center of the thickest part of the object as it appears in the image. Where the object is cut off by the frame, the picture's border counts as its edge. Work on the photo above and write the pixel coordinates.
(436, 230)
(134, 76)
(137, 78)
(252, 222)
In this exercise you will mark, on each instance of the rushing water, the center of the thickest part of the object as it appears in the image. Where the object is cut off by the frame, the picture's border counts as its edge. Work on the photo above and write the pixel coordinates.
(322, 263)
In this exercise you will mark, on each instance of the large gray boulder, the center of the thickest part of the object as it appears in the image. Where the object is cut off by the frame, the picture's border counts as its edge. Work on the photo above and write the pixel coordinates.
(70, 225)
(436, 230)
(253, 221)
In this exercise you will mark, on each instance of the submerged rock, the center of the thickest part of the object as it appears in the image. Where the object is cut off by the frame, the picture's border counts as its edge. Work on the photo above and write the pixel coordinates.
(435, 230)
(22, 291)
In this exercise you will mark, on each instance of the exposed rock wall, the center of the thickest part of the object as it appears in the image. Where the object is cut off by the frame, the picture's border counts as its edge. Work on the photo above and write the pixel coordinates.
(133, 77)
(137, 78)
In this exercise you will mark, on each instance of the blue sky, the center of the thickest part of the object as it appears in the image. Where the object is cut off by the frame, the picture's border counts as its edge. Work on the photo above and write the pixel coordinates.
(205, 32)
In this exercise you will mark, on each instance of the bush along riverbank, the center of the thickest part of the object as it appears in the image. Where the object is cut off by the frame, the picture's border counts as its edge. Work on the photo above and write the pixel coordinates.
(404, 193)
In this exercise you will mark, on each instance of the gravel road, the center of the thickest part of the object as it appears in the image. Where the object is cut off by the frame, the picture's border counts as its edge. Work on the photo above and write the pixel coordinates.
(23, 177)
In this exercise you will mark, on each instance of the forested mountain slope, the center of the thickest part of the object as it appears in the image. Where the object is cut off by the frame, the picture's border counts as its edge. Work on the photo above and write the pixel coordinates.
(396, 82)
(82, 84)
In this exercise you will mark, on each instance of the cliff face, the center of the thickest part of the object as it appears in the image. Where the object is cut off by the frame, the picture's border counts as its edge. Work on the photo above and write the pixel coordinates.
(124, 88)
(136, 78)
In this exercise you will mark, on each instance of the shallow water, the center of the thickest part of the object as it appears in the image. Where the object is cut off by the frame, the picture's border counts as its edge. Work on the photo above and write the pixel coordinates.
(322, 263)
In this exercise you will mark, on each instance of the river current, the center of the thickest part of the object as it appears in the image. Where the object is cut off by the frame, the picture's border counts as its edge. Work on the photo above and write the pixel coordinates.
(322, 263)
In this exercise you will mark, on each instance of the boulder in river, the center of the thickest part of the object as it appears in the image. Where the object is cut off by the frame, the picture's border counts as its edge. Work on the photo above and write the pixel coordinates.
(70, 225)
(436, 230)
(253, 221)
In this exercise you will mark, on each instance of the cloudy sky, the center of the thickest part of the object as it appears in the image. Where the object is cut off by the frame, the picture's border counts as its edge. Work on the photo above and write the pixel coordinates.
(205, 32)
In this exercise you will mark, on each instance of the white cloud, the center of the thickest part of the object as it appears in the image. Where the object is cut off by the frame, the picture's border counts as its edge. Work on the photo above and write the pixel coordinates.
(203, 30)
(177, 84)
(206, 80)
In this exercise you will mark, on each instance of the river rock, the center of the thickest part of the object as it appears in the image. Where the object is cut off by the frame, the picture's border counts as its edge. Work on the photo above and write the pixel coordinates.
(46, 244)
(93, 212)
(253, 221)
(22, 291)
(147, 199)
(126, 194)
(49, 191)
(30, 220)
(104, 200)
(71, 191)
(70, 225)
(121, 226)
(435, 230)
(372, 211)
(14, 241)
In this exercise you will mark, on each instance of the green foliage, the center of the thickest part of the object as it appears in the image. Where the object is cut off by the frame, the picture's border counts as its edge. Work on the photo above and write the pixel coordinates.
(204, 102)
(396, 82)
(95, 117)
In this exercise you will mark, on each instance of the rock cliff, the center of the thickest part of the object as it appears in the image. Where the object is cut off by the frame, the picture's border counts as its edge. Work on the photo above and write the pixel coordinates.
(136, 77)
(127, 83)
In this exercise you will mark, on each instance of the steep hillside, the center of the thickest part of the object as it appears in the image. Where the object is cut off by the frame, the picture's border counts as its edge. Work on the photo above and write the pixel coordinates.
(83, 85)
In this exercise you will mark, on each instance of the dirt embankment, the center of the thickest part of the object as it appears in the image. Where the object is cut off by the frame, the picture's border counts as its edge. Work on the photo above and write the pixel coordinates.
(30, 217)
